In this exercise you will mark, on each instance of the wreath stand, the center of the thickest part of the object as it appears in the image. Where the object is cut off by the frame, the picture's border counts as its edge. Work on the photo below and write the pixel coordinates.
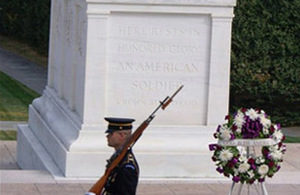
(249, 145)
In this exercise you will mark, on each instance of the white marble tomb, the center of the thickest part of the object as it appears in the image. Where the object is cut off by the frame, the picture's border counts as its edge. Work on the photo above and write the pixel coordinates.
(120, 58)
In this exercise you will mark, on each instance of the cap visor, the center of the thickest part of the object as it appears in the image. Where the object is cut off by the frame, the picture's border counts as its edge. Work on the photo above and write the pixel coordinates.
(109, 131)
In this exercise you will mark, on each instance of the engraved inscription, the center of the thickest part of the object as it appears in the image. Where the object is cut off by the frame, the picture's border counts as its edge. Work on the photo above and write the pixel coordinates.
(153, 102)
(152, 48)
(150, 54)
(165, 67)
(155, 85)
(150, 31)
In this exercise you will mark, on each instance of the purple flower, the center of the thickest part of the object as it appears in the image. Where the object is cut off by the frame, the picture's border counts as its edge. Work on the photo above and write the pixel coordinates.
(212, 147)
(232, 136)
(278, 167)
(220, 170)
(284, 148)
(219, 147)
(230, 164)
(234, 128)
(218, 129)
(253, 167)
(251, 128)
(236, 179)
(243, 110)
(251, 181)
(272, 129)
(261, 179)
(227, 117)
(278, 126)
(234, 160)
(251, 161)
(265, 151)
(271, 164)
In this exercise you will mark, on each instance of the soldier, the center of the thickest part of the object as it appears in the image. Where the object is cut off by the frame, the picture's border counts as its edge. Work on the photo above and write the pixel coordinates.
(123, 179)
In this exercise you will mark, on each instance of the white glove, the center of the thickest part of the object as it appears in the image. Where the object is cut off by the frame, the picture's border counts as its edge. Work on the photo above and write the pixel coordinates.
(89, 193)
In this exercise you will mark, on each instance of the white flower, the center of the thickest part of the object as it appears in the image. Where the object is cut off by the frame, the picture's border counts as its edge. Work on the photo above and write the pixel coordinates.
(273, 148)
(225, 155)
(277, 135)
(225, 135)
(259, 160)
(263, 169)
(276, 155)
(239, 119)
(244, 167)
(251, 174)
(252, 114)
(243, 154)
(236, 172)
(265, 121)
(266, 131)
(243, 158)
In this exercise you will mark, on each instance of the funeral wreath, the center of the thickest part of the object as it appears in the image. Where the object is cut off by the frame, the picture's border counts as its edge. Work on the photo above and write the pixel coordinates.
(252, 125)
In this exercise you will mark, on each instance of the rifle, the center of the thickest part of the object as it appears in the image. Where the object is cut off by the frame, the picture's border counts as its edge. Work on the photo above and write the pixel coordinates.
(119, 155)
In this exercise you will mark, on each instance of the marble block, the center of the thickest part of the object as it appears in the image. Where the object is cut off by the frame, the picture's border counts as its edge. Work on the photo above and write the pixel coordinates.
(120, 58)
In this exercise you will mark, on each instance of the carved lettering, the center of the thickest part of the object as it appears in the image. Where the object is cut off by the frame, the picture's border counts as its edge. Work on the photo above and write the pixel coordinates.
(155, 85)
(150, 57)
(140, 48)
(184, 49)
(132, 102)
(187, 103)
(152, 48)
(151, 31)
(166, 67)
(150, 102)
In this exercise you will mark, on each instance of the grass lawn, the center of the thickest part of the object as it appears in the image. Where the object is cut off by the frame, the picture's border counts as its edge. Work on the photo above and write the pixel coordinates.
(292, 140)
(15, 98)
(8, 135)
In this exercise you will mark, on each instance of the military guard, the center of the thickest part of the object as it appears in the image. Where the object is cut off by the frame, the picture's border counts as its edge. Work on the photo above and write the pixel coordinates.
(121, 175)
(123, 179)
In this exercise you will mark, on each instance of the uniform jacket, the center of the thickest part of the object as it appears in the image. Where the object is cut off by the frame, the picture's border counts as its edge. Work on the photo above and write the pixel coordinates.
(123, 179)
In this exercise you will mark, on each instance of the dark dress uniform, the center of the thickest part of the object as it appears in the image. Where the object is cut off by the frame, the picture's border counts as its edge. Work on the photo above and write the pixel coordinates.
(123, 179)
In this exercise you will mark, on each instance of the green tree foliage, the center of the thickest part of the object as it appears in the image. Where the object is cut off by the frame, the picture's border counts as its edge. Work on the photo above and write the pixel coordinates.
(26, 20)
(265, 70)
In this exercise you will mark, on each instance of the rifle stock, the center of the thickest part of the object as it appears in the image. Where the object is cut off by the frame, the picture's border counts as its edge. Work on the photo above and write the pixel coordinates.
(99, 185)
